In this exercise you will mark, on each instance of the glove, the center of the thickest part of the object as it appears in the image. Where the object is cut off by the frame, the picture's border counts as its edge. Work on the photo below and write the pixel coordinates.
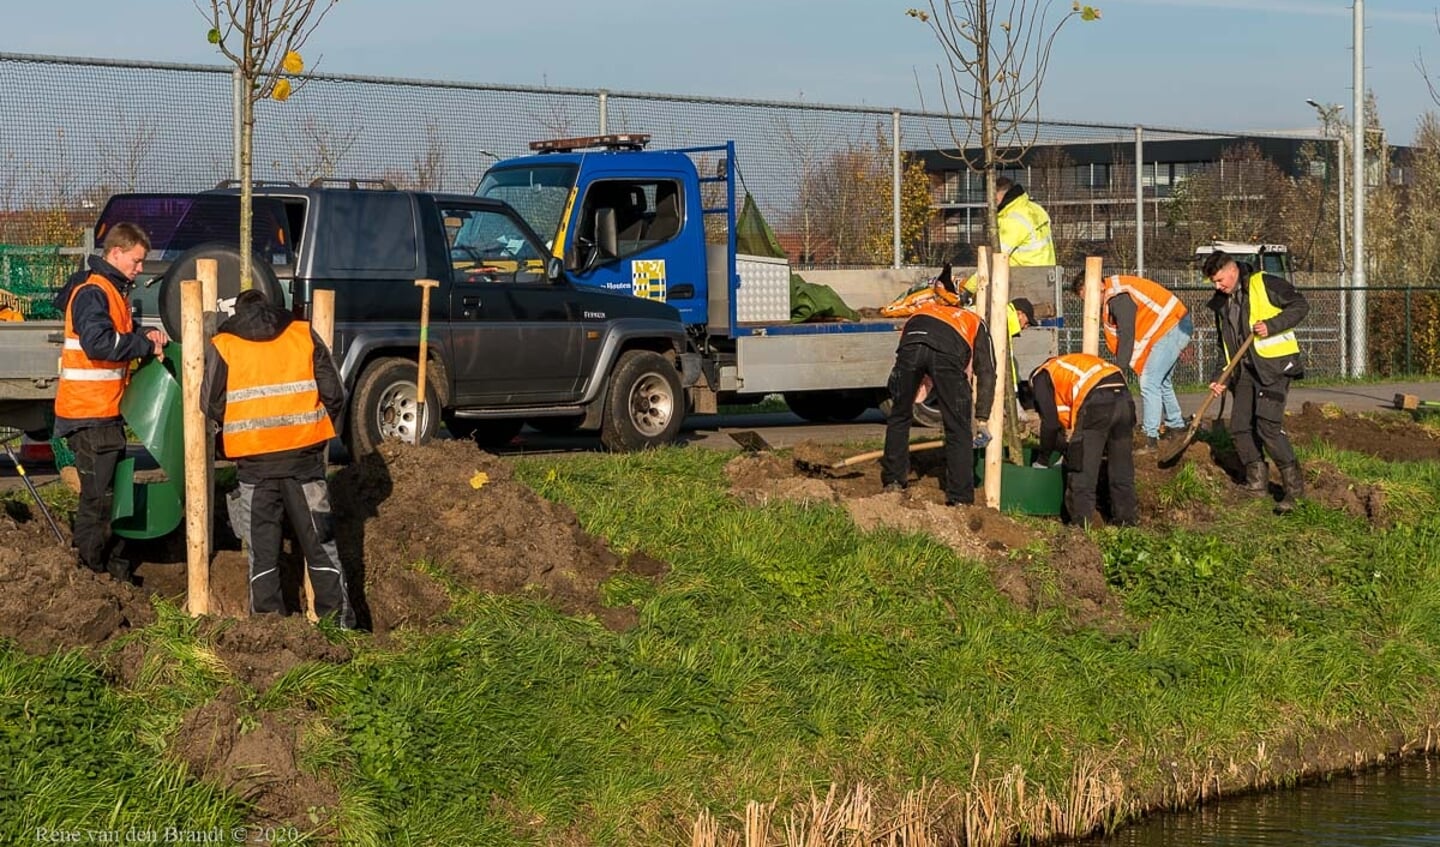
(982, 439)
(1039, 463)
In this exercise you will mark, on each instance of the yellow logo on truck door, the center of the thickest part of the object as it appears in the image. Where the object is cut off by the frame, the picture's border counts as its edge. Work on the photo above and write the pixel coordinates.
(647, 279)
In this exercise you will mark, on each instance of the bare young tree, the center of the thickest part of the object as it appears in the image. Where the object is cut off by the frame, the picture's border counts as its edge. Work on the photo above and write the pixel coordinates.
(322, 150)
(263, 39)
(996, 55)
(123, 156)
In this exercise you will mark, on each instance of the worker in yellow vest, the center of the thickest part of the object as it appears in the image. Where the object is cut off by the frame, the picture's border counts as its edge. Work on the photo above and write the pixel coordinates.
(1087, 413)
(1146, 328)
(101, 340)
(271, 384)
(1247, 301)
(942, 342)
(1024, 226)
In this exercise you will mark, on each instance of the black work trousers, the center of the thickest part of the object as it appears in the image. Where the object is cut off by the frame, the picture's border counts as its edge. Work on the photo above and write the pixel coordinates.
(951, 386)
(257, 513)
(1104, 436)
(98, 450)
(1258, 419)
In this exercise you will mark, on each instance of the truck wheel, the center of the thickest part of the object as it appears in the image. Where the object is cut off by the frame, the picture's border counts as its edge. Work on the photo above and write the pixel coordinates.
(485, 432)
(922, 415)
(644, 405)
(384, 407)
(827, 406)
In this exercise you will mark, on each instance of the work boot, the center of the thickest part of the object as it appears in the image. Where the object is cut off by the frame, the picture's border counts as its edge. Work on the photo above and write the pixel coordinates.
(894, 487)
(1294, 481)
(1257, 478)
(1150, 446)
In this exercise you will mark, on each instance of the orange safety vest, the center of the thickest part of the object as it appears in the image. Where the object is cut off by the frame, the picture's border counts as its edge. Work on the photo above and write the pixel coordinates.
(1157, 311)
(963, 321)
(910, 302)
(1073, 375)
(92, 388)
(271, 400)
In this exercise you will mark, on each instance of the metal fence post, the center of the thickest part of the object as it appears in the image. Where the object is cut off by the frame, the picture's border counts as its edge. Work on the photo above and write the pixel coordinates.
(1139, 201)
(237, 117)
(603, 97)
(895, 187)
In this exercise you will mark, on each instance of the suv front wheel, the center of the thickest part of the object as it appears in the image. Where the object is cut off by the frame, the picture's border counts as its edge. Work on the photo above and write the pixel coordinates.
(644, 405)
(384, 407)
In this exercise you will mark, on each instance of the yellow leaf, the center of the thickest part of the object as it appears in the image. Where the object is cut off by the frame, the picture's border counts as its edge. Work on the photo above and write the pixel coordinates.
(281, 91)
(292, 63)
(479, 479)
(1089, 13)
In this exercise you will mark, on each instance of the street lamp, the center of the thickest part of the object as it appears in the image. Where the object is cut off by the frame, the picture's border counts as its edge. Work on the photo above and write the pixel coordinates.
(1330, 120)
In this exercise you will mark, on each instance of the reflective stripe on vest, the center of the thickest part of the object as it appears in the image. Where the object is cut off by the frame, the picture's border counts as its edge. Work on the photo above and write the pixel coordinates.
(1261, 309)
(965, 322)
(1157, 311)
(272, 403)
(92, 388)
(1073, 375)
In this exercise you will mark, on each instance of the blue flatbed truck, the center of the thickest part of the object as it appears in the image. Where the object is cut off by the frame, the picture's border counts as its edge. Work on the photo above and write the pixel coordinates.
(658, 225)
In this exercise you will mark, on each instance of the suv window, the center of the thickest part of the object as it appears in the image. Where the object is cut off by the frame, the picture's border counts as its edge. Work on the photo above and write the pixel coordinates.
(489, 246)
(647, 212)
(178, 222)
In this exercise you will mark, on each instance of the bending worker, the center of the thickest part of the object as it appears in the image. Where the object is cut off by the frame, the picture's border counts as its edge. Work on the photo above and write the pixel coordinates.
(101, 341)
(1146, 328)
(1086, 410)
(1249, 301)
(944, 342)
(270, 382)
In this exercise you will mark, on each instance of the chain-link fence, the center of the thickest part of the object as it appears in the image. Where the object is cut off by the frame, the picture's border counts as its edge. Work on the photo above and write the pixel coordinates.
(75, 131)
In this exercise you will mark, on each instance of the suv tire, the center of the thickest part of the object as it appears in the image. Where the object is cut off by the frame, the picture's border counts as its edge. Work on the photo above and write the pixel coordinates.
(384, 408)
(644, 404)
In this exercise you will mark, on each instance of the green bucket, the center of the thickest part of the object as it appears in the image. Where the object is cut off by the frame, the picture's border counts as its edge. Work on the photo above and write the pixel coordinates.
(151, 407)
(1025, 490)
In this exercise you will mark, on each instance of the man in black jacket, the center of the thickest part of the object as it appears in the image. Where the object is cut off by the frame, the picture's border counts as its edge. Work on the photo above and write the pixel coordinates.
(101, 340)
(943, 342)
(1248, 302)
(270, 382)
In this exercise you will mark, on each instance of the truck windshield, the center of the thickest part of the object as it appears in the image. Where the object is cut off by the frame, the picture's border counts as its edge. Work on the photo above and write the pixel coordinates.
(538, 193)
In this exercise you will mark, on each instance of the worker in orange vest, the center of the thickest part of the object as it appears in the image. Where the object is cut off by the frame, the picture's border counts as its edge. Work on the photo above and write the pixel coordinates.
(1086, 411)
(272, 386)
(1146, 328)
(943, 342)
(101, 341)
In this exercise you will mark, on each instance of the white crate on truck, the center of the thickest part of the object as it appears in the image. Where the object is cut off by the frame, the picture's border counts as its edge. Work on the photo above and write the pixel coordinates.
(764, 293)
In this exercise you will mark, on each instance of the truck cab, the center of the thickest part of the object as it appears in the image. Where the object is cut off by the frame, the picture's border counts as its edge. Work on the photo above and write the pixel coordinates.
(1269, 258)
(661, 225)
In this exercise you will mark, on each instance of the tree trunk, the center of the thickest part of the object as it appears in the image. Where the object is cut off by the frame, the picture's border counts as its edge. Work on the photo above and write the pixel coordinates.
(247, 192)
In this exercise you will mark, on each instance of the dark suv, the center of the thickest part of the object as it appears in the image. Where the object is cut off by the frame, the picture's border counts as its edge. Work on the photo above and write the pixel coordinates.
(510, 340)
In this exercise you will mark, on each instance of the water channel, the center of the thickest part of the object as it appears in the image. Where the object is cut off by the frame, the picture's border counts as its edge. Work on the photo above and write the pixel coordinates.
(1398, 807)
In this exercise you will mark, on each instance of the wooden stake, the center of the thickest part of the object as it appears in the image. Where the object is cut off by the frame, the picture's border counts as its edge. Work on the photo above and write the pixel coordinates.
(208, 272)
(982, 280)
(197, 473)
(424, 285)
(1090, 336)
(1000, 342)
(322, 321)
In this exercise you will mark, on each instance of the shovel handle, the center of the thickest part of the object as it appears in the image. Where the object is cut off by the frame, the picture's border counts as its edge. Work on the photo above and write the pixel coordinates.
(1209, 398)
(875, 454)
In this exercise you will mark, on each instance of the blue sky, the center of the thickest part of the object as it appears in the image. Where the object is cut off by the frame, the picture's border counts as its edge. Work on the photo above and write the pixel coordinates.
(1232, 64)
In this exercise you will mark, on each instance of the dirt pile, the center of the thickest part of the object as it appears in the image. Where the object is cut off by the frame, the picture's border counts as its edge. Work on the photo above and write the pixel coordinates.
(462, 509)
(255, 756)
(47, 601)
(1393, 436)
(1036, 565)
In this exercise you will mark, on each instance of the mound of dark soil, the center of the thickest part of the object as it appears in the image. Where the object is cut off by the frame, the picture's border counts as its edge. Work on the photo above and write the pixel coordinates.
(1393, 436)
(254, 755)
(453, 505)
(47, 601)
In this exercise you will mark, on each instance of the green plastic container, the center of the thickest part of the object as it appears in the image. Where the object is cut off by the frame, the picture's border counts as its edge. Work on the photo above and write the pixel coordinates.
(151, 407)
(1025, 490)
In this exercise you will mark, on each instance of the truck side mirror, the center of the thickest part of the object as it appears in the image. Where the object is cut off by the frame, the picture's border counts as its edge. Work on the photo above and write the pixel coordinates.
(554, 269)
(605, 233)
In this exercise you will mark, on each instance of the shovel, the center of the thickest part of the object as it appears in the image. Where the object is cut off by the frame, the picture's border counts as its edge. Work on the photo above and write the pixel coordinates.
(820, 467)
(1169, 455)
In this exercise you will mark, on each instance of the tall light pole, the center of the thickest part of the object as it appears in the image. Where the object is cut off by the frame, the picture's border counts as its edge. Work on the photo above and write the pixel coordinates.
(1330, 119)
(1357, 292)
